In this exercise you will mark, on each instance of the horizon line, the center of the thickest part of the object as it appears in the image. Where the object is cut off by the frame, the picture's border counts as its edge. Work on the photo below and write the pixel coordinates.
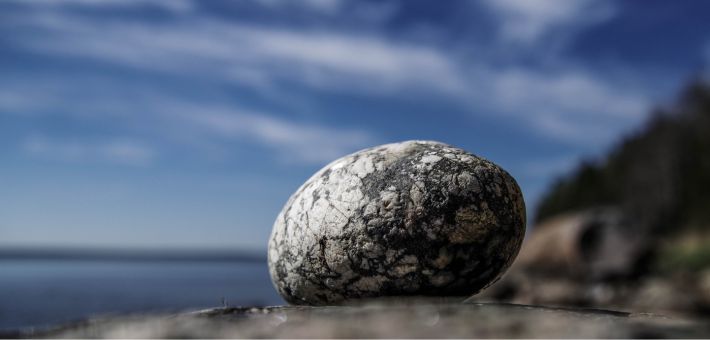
(129, 254)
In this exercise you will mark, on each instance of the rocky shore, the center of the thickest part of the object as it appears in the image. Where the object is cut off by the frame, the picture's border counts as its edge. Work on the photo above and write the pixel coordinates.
(387, 318)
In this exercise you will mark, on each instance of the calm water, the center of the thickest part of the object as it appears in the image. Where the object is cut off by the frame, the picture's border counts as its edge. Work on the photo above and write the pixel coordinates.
(36, 293)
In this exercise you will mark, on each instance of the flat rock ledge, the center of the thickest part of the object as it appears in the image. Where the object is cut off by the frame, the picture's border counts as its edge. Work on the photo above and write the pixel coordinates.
(383, 318)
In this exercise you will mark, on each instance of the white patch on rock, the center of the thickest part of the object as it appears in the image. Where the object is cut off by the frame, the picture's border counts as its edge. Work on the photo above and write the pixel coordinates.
(430, 159)
(362, 167)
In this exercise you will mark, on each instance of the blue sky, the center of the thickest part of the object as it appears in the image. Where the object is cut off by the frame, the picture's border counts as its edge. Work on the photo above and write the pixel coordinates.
(186, 124)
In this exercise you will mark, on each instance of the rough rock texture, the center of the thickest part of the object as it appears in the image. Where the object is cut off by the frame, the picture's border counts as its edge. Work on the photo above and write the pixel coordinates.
(388, 319)
(411, 218)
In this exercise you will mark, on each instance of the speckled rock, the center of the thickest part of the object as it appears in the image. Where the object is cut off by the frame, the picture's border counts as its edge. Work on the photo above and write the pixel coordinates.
(410, 218)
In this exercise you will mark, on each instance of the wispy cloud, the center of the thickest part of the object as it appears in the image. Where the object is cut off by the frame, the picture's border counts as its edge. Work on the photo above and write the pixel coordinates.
(291, 140)
(172, 122)
(527, 22)
(250, 54)
(323, 6)
(174, 6)
(564, 102)
(558, 102)
(570, 104)
(124, 151)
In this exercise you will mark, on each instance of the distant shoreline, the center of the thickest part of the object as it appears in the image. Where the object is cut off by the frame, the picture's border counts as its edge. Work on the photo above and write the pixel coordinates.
(125, 255)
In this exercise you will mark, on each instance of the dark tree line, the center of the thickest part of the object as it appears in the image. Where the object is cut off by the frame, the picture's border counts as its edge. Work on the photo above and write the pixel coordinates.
(659, 176)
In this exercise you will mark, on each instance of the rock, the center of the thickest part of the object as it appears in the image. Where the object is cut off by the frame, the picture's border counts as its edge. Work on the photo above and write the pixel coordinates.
(410, 218)
(591, 245)
(420, 318)
(592, 258)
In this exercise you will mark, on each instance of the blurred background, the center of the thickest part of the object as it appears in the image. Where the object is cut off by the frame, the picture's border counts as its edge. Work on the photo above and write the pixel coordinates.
(147, 146)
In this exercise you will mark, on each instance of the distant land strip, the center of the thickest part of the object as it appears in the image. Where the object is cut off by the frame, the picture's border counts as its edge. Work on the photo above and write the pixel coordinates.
(129, 255)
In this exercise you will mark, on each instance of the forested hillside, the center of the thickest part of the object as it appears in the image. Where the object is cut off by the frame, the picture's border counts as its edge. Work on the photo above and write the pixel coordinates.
(659, 176)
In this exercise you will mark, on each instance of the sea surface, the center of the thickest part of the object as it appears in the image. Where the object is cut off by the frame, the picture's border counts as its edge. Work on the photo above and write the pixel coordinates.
(43, 293)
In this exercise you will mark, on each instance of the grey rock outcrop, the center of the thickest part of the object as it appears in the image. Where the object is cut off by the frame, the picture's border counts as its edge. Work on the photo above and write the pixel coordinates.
(410, 218)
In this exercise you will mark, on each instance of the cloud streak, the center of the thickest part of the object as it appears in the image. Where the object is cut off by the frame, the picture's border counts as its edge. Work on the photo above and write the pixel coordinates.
(248, 53)
(559, 103)
(528, 22)
(122, 151)
(213, 127)
(173, 6)
(292, 141)
(570, 105)
(564, 102)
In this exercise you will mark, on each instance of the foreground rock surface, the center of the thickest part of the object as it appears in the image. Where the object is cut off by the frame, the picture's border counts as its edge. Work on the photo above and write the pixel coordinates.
(410, 218)
(388, 319)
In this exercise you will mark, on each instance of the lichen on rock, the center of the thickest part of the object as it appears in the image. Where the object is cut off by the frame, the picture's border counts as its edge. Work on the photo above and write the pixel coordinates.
(410, 218)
